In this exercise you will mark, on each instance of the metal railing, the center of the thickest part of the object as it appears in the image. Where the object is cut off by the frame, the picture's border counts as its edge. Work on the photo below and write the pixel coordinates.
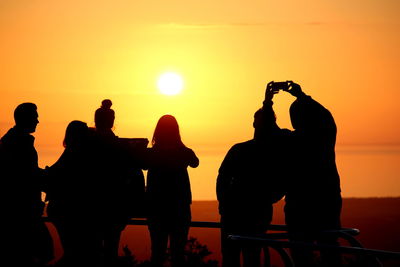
(274, 241)
(279, 241)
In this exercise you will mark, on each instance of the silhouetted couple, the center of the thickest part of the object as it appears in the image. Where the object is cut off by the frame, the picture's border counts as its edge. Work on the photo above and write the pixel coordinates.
(299, 164)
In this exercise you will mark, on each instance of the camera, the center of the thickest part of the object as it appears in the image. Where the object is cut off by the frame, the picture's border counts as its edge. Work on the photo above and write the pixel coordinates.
(134, 143)
(276, 86)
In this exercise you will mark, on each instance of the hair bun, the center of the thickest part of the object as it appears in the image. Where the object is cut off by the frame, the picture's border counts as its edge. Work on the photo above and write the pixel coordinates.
(106, 103)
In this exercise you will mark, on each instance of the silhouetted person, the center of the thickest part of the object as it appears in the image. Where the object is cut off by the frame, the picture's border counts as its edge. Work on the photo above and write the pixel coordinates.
(118, 169)
(25, 238)
(74, 200)
(250, 180)
(313, 199)
(168, 191)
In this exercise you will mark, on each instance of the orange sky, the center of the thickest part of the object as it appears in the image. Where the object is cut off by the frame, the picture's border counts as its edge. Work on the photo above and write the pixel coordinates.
(67, 56)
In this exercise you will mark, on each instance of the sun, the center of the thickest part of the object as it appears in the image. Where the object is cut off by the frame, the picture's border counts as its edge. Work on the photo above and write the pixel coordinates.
(170, 83)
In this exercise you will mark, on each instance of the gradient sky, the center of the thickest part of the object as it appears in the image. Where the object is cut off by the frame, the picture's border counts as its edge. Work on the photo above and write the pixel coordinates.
(66, 56)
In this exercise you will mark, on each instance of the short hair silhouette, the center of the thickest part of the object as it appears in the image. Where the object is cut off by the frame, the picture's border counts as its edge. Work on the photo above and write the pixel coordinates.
(264, 117)
(104, 116)
(23, 112)
(167, 132)
(307, 116)
(75, 134)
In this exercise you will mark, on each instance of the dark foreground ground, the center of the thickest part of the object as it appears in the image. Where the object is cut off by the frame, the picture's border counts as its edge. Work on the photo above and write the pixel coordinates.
(377, 218)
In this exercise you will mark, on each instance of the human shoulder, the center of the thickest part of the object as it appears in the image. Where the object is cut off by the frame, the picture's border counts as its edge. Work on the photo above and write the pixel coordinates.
(242, 146)
(15, 137)
(286, 133)
(10, 135)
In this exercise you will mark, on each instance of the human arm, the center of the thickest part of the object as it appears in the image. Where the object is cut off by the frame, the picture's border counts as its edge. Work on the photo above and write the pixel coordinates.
(193, 159)
(295, 90)
(269, 95)
(309, 116)
(224, 179)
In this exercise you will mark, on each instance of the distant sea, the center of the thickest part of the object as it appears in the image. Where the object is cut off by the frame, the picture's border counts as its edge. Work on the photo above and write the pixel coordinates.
(369, 171)
(365, 170)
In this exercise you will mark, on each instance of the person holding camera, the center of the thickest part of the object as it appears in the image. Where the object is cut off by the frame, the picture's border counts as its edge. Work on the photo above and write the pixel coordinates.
(248, 183)
(313, 198)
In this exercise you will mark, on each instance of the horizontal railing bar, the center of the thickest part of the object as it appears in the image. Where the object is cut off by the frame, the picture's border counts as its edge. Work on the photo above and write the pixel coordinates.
(204, 224)
(295, 244)
(270, 239)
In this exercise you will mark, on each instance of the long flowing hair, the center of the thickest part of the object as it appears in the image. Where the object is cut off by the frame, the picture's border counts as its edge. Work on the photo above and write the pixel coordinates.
(167, 133)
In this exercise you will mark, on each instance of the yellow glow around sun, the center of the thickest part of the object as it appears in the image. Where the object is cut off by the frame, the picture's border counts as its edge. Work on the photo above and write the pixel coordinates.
(170, 83)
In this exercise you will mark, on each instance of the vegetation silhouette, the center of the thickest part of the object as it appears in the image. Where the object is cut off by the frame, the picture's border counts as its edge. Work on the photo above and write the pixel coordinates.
(195, 253)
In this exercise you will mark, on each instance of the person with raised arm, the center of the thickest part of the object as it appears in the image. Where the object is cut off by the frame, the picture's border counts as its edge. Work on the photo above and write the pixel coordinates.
(313, 197)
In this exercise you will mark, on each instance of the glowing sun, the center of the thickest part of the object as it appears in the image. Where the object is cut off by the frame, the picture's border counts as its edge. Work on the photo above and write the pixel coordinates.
(170, 83)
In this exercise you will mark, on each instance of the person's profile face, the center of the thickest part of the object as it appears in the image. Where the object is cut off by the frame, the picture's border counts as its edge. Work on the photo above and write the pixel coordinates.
(31, 121)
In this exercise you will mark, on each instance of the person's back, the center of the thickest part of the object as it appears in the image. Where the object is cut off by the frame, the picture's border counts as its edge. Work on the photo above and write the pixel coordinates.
(248, 182)
(168, 184)
(313, 199)
(168, 191)
(315, 185)
(251, 178)
(74, 206)
(118, 174)
(71, 183)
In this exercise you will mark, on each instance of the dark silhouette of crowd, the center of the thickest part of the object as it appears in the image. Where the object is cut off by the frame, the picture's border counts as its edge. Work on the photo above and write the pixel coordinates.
(97, 185)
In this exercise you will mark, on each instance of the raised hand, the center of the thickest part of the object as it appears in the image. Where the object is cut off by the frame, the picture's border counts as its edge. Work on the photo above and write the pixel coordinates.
(269, 92)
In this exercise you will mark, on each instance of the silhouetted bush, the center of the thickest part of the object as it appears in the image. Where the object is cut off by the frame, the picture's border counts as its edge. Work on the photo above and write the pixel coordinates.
(195, 254)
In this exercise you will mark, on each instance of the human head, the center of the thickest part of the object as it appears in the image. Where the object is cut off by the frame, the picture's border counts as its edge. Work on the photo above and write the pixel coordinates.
(306, 116)
(104, 116)
(167, 132)
(264, 122)
(26, 117)
(76, 134)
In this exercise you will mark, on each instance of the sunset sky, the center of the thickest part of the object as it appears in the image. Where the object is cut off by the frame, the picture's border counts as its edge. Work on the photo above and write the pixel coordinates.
(67, 56)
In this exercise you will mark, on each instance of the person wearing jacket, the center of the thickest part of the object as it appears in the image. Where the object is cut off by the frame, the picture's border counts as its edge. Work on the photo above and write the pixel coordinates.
(120, 180)
(22, 182)
(251, 178)
(313, 198)
(74, 205)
